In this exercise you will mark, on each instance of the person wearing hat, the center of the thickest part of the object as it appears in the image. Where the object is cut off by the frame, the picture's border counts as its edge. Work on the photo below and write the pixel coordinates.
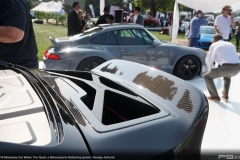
(138, 18)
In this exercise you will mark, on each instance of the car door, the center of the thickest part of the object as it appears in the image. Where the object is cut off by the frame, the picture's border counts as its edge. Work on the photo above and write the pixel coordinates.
(138, 46)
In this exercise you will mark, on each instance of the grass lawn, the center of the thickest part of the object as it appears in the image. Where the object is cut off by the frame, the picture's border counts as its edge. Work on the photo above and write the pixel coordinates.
(42, 33)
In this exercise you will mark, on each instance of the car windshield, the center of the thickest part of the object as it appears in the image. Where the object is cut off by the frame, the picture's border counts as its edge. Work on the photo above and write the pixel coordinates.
(207, 30)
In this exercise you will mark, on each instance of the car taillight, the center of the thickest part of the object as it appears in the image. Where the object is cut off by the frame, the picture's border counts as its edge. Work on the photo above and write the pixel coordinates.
(51, 56)
(157, 67)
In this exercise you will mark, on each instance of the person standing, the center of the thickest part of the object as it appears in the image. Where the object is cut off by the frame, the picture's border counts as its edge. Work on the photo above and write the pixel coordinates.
(17, 38)
(81, 17)
(110, 19)
(74, 23)
(225, 55)
(138, 18)
(223, 22)
(197, 21)
(102, 19)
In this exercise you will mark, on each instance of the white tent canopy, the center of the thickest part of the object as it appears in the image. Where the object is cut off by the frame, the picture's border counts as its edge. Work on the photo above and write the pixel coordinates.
(39, 7)
(204, 5)
(51, 6)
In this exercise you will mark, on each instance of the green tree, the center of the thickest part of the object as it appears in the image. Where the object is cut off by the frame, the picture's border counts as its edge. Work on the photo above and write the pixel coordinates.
(156, 5)
(40, 15)
(67, 7)
(48, 16)
(62, 18)
(114, 3)
(96, 4)
(56, 17)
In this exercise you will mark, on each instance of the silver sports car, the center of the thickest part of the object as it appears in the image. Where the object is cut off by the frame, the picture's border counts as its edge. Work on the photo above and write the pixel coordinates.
(123, 41)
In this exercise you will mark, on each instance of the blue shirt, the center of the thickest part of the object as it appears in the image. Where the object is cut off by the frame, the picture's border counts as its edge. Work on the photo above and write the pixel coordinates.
(195, 26)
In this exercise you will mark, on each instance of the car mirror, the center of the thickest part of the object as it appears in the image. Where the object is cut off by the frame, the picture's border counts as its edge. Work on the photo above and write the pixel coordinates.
(155, 43)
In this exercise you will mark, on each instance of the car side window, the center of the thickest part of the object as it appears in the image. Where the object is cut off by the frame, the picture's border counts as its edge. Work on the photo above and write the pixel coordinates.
(129, 37)
(104, 39)
(148, 40)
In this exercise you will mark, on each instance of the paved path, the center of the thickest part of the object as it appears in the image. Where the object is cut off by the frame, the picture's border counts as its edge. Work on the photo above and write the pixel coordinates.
(222, 133)
(182, 42)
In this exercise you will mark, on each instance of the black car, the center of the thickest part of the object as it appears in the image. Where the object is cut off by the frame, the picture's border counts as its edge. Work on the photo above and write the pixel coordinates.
(119, 110)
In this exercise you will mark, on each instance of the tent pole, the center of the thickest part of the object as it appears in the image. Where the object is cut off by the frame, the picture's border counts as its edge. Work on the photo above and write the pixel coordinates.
(86, 7)
(172, 21)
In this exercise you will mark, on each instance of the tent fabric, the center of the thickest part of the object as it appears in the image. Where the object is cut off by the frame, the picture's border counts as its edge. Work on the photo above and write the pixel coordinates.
(175, 24)
(38, 7)
(51, 6)
(204, 5)
(102, 5)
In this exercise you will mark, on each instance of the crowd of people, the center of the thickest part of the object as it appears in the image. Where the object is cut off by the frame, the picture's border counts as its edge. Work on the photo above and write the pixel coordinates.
(223, 25)
(77, 23)
(221, 52)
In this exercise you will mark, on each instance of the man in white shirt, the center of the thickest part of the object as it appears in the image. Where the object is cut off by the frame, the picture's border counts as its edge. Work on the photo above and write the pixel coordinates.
(223, 22)
(225, 55)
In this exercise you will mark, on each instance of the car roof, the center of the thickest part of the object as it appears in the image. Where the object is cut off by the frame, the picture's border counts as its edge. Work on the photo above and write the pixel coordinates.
(120, 25)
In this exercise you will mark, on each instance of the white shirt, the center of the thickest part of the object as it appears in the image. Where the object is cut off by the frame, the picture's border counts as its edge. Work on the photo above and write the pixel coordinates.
(223, 25)
(75, 11)
(135, 18)
(221, 52)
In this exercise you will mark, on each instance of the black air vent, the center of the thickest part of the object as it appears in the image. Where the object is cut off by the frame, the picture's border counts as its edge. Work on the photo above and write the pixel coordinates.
(116, 86)
(118, 108)
(91, 93)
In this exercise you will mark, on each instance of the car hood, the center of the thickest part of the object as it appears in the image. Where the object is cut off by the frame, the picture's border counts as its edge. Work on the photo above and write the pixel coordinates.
(168, 42)
(207, 36)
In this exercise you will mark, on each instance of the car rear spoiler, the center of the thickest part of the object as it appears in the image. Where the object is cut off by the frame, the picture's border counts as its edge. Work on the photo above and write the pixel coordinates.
(61, 42)
(55, 44)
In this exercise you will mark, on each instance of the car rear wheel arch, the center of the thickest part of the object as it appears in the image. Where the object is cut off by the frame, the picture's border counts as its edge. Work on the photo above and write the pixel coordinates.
(82, 65)
(179, 63)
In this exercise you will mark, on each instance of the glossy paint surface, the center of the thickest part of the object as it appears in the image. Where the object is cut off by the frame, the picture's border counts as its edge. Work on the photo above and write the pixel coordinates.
(119, 41)
(178, 132)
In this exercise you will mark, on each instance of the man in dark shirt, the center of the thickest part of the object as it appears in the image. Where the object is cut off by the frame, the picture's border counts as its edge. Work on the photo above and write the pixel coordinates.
(102, 19)
(17, 39)
(110, 19)
(74, 23)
